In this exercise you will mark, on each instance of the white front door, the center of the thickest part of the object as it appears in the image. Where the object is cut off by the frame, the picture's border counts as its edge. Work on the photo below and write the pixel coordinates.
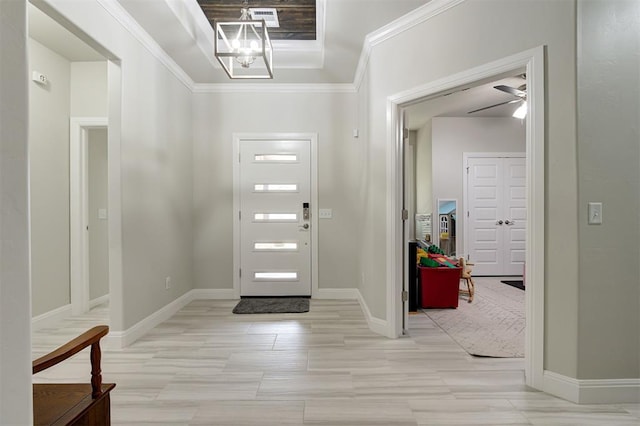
(275, 234)
(496, 214)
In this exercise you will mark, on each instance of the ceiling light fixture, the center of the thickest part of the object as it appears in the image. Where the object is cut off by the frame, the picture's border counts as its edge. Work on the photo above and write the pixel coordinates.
(243, 47)
(521, 112)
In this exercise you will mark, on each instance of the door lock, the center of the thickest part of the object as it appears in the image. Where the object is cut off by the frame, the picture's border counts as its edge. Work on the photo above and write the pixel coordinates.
(305, 211)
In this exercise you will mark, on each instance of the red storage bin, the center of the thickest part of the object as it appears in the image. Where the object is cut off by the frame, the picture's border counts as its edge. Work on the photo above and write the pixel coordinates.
(439, 287)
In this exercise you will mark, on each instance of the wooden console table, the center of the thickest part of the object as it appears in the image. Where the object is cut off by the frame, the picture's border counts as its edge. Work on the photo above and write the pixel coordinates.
(73, 403)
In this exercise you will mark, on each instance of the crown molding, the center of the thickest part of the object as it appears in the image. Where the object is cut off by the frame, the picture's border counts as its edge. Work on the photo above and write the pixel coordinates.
(394, 28)
(115, 9)
(404, 23)
(273, 88)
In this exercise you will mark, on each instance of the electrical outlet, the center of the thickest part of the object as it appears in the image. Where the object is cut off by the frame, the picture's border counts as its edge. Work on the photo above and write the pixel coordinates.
(167, 283)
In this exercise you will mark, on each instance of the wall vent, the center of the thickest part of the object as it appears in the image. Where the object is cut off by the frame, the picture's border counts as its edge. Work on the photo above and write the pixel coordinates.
(269, 14)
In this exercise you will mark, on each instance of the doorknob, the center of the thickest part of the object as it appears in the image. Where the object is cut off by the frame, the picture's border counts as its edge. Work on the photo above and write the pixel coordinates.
(510, 222)
(500, 222)
(305, 226)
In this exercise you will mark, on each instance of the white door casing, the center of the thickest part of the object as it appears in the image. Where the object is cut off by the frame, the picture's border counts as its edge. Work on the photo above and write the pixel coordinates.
(532, 62)
(273, 181)
(496, 217)
(78, 209)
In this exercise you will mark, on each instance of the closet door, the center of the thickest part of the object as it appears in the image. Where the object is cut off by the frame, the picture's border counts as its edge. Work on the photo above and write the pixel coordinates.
(496, 209)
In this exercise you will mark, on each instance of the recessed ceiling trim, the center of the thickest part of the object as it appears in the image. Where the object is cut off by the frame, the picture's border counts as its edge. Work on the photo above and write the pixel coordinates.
(272, 88)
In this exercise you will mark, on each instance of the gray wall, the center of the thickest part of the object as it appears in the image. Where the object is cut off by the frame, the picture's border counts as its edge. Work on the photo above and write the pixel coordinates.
(216, 117)
(89, 89)
(15, 299)
(424, 189)
(49, 179)
(151, 150)
(77, 89)
(394, 67)
(98, 229)
(451, 138)
(609, 172)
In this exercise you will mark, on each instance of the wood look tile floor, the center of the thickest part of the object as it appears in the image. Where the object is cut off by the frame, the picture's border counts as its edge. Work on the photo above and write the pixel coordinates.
(207, 366)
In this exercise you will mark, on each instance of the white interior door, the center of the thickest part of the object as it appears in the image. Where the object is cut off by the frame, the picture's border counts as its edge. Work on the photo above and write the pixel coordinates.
(496, 214)
(275, 235)
(514, 215)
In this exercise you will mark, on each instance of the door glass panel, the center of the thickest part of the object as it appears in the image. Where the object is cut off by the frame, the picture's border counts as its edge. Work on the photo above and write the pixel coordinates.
(275, 217)
(288, 158)
(275, 246)
(275, 187)
(275, 276)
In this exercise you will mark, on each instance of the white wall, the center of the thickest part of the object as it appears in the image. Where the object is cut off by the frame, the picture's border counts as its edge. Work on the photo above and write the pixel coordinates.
(98, 229)
(15, 297)
(609, 172)
(89, 89)
(49, 179)
(152, 154)
(424, 190)
(216, 117)
(76, 89)
(452, 137)
(460, 39)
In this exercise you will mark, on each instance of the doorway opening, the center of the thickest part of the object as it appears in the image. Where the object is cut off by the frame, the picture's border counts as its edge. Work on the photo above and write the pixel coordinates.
(89, 245)
(78, 96)
(530, 63)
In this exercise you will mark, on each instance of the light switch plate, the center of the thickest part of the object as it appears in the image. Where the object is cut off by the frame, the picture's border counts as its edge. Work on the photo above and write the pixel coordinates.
(325, 213)
(595, 213)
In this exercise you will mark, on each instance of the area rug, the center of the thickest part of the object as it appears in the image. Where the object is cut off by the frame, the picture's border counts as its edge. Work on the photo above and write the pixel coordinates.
(267, 305)
(492, 325)
(515, 283)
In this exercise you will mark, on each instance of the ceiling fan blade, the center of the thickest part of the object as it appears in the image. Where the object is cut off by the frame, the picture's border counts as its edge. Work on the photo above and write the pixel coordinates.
(511, 90)
(493, 106)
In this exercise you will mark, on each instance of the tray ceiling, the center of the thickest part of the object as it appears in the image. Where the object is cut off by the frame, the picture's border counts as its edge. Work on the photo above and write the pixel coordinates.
(297, 18)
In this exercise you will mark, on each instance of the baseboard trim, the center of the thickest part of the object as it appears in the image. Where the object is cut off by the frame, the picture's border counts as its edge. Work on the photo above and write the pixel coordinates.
(98, 301)
(337, 293)
(592, 391)
(376, 325)
(43, 320)
(122, 339)
(213, 294)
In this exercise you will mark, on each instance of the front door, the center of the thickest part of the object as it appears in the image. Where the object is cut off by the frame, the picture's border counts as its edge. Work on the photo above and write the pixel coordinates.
(496, 214)
(275, 235)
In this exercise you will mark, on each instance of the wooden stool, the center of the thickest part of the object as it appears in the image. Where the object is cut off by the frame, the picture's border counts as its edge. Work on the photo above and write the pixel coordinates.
(465, 275)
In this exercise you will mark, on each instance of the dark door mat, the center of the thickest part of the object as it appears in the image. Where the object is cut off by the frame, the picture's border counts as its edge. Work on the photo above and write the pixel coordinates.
(516, 283)
(277, 305)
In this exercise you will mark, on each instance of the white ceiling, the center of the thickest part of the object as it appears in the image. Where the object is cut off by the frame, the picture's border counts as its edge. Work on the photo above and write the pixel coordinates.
(48, 32)
(184, 33)
(459, 103)
(181, 30)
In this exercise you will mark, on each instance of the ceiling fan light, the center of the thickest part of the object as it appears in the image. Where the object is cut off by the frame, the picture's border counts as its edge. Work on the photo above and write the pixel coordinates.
(521, 112)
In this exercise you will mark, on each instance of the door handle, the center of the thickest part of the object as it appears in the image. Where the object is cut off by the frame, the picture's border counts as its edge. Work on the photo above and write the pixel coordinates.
(510, 222)
(305, 226)
(500, 222)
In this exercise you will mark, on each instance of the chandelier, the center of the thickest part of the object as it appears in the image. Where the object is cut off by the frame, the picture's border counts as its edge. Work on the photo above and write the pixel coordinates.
(243, 47)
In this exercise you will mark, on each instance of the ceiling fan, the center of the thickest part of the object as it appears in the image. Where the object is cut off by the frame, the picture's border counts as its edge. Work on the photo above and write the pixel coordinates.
(519, 92)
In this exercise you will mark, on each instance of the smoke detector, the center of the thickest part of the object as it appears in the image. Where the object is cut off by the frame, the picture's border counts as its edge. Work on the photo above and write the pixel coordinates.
(269, 14)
